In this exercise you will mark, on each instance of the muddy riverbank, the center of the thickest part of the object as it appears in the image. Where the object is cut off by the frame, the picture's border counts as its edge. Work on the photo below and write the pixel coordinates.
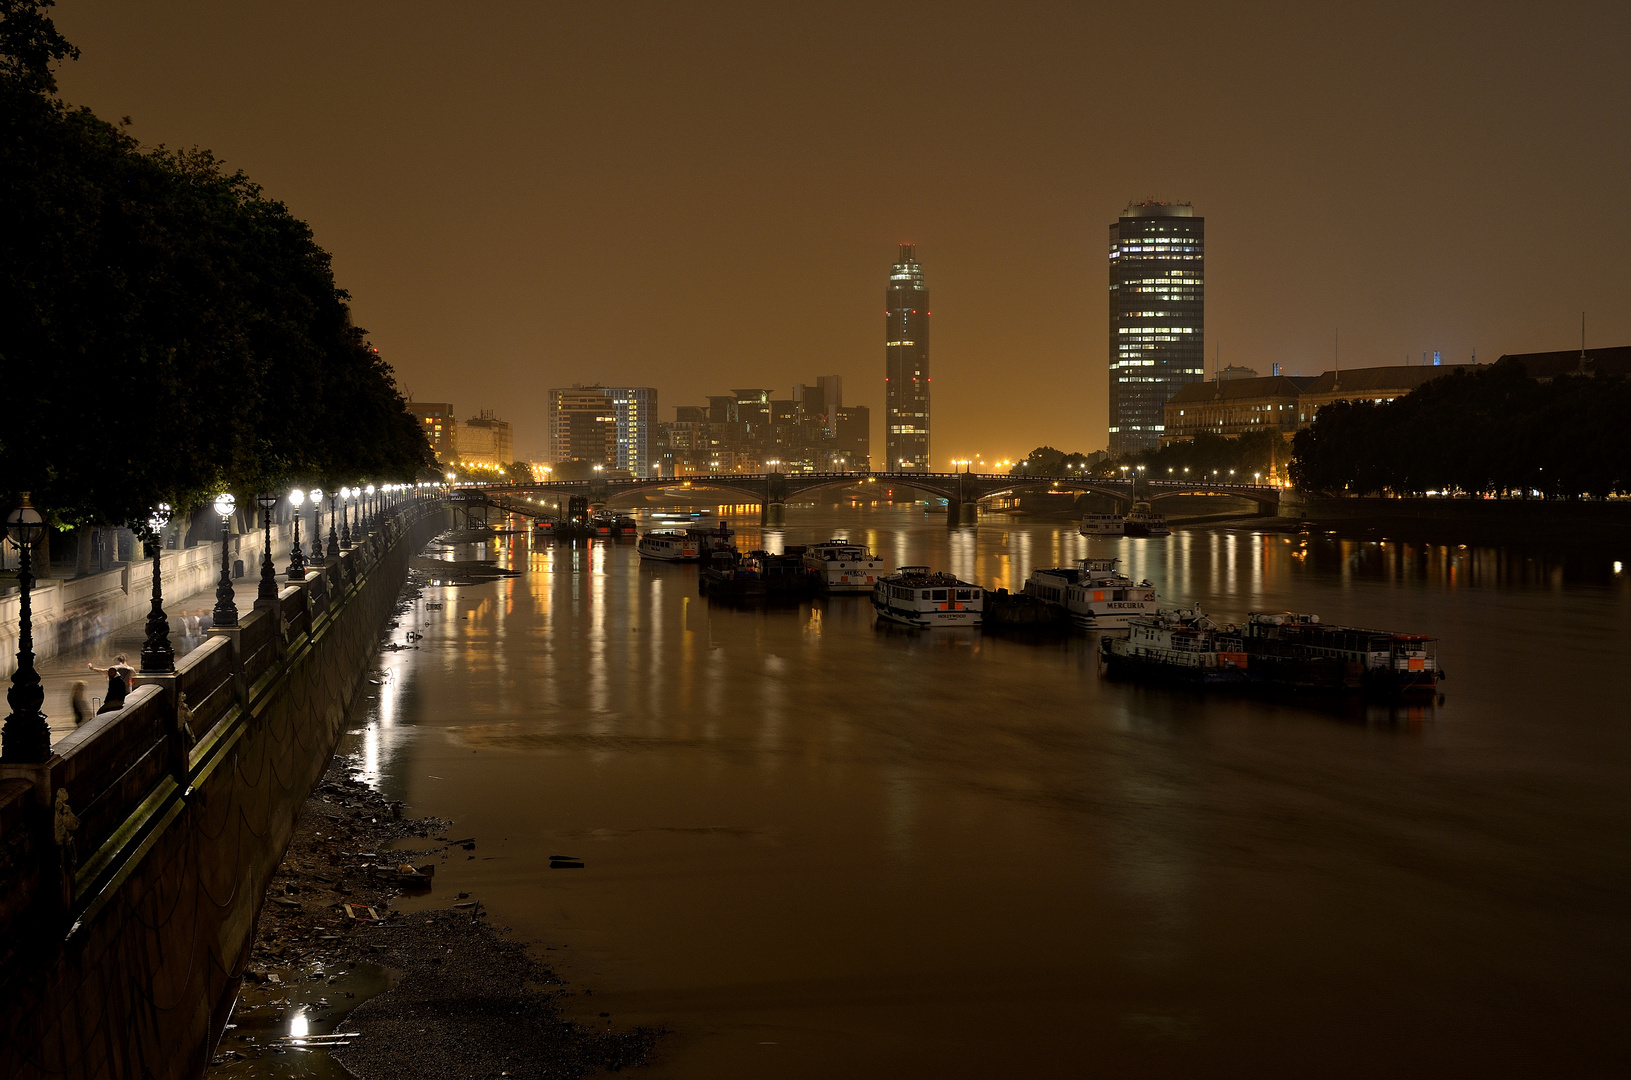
(341, 985)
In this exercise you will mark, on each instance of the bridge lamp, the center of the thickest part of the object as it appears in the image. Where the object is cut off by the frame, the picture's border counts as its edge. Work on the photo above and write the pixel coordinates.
(1256, 477)
(157, 656)
(226, 612)
(26, 735)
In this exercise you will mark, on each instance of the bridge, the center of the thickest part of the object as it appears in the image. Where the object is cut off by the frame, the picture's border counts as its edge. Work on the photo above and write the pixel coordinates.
(961, 490)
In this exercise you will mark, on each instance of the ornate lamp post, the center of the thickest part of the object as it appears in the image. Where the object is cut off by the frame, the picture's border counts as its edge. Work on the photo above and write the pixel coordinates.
(26, 737)
(345, 517)
(226, 612)
(268, 590)
(158, 658)
(333, 538)
(297, 558)
(373, 508)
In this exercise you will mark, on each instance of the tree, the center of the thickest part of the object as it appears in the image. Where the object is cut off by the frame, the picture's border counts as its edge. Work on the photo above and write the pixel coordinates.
(168, 330)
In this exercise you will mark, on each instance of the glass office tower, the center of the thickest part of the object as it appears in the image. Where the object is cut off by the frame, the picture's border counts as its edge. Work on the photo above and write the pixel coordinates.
(906, 367)
(1157, 305)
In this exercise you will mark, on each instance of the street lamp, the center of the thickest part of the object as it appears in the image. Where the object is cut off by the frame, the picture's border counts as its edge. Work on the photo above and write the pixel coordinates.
(26, 736)
(345, 516)
(268, 589)
(226, 612)
(373, 507)
(333, 551)
(297, 558)
(157, 655)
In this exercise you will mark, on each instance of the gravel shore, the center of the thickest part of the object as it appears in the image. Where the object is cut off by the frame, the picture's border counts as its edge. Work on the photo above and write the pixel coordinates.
(442, 993)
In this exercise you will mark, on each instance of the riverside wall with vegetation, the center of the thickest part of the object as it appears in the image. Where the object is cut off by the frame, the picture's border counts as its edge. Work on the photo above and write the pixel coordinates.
(133, 862)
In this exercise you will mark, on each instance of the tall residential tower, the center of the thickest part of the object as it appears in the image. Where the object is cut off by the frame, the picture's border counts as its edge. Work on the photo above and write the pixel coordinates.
(1157, 306)
(906, 371)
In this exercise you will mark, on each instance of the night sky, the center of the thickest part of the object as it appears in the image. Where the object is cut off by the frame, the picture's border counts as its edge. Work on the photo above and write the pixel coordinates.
(700, 197)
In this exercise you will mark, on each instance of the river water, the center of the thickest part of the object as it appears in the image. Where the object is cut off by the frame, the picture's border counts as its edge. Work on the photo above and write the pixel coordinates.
(816, 847)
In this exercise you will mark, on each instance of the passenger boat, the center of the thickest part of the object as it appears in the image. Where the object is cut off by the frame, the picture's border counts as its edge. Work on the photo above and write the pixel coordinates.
(1177, 646)
(1094, 592)
(1103, 525)
(843, 567)
(1386, 663)
(543, 526)
(1142, 521)
(915, 596)
(669, 545)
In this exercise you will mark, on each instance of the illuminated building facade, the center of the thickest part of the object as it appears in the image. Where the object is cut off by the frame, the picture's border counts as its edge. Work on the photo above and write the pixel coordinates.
(441, 430)
(611, 426)
(1157, 323)
(906, 366)
(485, 440)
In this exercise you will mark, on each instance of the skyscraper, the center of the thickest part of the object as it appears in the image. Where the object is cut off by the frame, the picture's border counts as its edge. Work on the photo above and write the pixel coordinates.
(1157, 305)
(906, 368)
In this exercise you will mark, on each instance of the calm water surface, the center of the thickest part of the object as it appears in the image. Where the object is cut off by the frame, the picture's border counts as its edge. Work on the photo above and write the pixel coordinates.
(818, 847)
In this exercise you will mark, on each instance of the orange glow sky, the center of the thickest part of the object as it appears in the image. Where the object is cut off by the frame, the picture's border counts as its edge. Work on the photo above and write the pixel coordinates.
(699, 197)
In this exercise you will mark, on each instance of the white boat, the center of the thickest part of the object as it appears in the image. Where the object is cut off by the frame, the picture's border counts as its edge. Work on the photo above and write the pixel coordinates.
(1103, 525)
(1177, 646)
(914, 596)
(844, 567)
(1142, 521)
(669, 545)
(1094, 592)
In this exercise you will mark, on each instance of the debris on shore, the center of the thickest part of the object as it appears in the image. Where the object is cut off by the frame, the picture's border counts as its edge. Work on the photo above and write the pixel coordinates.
(335, 971)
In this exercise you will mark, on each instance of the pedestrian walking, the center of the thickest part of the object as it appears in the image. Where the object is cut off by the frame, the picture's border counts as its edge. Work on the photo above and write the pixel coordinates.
(189, 632)
(79, 699)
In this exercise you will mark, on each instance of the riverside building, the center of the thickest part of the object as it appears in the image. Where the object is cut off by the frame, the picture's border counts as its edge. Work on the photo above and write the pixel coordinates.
(906, 366)
(611, 426)
(1157, 317)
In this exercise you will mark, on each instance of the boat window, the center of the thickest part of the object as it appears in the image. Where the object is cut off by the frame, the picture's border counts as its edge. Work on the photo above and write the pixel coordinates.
(939, 594)
(965, 594)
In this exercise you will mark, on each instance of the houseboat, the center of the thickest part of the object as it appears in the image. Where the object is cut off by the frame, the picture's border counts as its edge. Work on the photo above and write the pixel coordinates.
(1177, 646)
(1094, 593)
(843, 567)
(610, 526)
(669, 545)
(1103, 525)
(915, 596)
(1383, 662)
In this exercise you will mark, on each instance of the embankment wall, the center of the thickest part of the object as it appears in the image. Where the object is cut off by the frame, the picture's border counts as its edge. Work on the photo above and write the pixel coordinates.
(125, 923)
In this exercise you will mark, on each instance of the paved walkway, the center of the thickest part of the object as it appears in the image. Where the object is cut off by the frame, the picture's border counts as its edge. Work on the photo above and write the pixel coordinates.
(58, 674)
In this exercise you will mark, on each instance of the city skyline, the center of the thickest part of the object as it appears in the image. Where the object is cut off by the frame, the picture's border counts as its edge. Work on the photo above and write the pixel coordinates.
(493, 221)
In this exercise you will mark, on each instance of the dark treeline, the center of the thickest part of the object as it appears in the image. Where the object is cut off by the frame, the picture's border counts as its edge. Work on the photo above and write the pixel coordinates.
(1211, 458)
(166, 330)
(1230, 459)
(1493, 432)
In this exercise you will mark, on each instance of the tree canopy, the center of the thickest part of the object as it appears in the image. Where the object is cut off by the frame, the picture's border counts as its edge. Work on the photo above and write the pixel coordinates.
(166, 330)
(1490, 432)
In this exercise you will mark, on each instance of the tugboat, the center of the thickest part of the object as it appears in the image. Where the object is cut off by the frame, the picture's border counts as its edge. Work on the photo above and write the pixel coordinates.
(709, 540)
(843, 567)
(1103, 525)
(787, 576)
(669, 545)
(1177, 646)
(915, 596)
(728, 575)
(1094, 592)
(1381, 662)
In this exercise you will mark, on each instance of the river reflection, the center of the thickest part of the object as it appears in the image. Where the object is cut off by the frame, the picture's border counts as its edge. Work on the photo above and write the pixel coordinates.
(819, 847)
